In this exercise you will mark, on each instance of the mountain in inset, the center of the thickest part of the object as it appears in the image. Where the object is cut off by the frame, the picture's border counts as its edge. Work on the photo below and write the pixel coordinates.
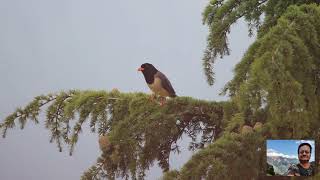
(281, 164)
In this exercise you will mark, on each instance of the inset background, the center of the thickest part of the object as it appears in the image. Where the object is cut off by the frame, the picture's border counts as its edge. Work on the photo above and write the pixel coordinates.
(283, 153)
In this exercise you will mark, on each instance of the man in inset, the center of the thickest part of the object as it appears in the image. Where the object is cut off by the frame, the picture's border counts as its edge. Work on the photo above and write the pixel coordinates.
(304, 168)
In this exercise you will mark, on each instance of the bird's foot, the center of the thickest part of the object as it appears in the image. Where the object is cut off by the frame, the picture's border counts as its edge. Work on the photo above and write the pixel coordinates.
(163, 100)
(152, 97)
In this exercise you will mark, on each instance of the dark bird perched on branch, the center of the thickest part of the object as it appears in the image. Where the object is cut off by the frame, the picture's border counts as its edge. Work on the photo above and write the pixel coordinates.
(157, 81)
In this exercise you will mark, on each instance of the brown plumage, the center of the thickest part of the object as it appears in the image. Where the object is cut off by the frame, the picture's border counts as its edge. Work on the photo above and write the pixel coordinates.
(157, 81)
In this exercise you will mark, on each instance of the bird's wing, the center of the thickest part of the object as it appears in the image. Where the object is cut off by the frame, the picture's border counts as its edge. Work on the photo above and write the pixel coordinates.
(165, 83)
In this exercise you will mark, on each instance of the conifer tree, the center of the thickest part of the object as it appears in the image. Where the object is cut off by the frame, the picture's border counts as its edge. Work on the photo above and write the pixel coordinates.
(275, 93)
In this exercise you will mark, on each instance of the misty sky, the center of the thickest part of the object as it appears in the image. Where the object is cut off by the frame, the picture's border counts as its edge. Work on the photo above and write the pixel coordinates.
(50, 46)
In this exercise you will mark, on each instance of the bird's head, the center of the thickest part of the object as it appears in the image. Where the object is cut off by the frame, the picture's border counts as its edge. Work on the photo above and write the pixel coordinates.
(148, 71)
(147, 68)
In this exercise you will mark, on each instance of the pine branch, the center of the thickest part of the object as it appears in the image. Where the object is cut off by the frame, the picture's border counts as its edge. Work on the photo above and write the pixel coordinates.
(220, 15)
(129, 120)
(31, 111)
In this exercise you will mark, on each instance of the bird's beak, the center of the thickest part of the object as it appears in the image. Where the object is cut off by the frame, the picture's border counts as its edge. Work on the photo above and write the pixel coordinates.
(140, 69)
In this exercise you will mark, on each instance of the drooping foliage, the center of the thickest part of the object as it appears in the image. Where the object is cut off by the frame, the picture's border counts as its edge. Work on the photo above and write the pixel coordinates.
(276, 83)
(138, 131)
(274, 94)
(220, 15)
(244, 151)
(280, 74)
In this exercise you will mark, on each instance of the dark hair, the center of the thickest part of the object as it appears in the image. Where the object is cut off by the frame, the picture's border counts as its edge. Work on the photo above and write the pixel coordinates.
(304, 144)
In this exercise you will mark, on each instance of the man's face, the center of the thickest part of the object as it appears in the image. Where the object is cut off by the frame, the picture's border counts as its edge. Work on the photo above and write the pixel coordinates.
(304, 153)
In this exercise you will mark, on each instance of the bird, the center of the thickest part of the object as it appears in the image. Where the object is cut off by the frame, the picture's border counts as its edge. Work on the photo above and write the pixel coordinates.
(157, 81)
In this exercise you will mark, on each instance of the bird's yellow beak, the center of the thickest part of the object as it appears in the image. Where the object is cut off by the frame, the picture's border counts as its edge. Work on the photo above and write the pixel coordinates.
(140, 69)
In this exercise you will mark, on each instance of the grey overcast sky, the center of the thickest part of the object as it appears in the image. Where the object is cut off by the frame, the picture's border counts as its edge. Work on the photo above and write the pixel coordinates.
(49, 46)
